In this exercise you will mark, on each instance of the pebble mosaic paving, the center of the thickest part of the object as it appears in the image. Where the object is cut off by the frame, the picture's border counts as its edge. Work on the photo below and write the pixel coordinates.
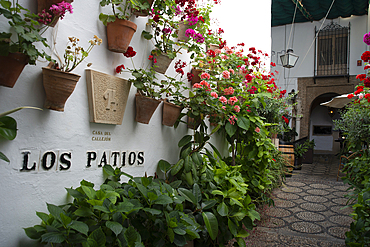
(309, 210)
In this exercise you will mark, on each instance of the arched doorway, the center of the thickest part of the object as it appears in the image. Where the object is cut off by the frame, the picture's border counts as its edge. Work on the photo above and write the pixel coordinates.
(321, 127)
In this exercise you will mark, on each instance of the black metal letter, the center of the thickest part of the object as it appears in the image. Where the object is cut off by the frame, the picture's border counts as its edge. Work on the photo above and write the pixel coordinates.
(25, 162)
(90, 157)
(140, 158)
(65, 161)
(45, 158)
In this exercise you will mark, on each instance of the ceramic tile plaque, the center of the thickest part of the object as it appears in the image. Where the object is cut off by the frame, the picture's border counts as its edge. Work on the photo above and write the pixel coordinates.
(107, 97)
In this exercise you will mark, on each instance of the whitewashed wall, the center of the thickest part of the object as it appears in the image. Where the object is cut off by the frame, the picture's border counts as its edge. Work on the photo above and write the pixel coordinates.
(301, 38)
(24, 193)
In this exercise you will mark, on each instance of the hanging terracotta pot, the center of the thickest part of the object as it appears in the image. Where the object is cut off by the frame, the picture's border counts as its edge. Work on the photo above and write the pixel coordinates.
(192, 123)
(171, 113)
(162, 64)
(196, 77)
(212, 47)
(46, 4)
(119, 35)
(144, 12)
(11, 67)
(58, 86)
(145, 107)
(181, 32)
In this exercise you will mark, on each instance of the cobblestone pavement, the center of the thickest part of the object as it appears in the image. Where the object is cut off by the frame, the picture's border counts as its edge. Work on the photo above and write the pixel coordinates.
(309, 209)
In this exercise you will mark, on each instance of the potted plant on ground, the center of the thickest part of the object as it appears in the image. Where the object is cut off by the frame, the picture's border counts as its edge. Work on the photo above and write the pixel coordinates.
(18, 45)
(119, 29)
(299, 151)
(58, 80)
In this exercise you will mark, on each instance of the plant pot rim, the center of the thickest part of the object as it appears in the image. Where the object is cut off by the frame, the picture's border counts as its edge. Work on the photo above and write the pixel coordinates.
(59, 71)
(172, 104)
(138, 94)
(127, 23)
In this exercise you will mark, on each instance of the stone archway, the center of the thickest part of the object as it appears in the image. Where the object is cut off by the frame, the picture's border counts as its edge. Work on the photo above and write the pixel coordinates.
(310, 88)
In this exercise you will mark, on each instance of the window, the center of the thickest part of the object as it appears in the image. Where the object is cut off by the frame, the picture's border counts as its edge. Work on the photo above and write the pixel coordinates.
(322, 130)
(332, 51)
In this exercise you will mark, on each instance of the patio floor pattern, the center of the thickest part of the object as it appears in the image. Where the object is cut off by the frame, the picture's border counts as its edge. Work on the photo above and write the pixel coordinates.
(309, 209)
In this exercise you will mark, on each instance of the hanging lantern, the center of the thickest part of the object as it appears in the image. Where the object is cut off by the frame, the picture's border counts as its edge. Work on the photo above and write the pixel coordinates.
(289, 59)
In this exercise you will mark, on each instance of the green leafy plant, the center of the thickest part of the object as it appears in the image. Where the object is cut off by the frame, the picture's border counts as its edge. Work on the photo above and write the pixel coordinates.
(27, 30)
(301, 149)
(358, 177)
(120, 10)
(147, 84)
(8, 127)
(141, 212)
(75, 54)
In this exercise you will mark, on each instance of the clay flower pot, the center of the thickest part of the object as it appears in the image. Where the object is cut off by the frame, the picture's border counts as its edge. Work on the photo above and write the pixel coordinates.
(119, 35)
(212, 47)
(192, 124)
(171, 113)
(196, 77)
(143, 12)
(58, 86)
(11, 67)
(46, 4)
(145, 107)
(181, 32)
(162, 64)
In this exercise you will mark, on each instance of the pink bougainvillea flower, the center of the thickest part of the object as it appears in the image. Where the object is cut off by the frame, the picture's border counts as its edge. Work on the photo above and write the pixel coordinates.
(223, 99)
(60, 9)
(199, 38)
(224, 57)
(224, 107)
(214, 95)
(367, 38)
(218, 51)
(205, 76)
(189, 33)
(166, 30)
(237, 108)
(226, 74)
(232, 71)
(257, 130)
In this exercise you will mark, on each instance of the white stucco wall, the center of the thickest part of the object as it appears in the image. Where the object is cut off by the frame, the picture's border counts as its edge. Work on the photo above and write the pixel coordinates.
(301, 38)
(24, 193)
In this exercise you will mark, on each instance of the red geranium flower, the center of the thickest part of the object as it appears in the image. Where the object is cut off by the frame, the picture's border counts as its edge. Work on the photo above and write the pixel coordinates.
(361, 77)
(365, 56)
(367, 82)
(350, 96)
(120, 68)
(130, 52)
